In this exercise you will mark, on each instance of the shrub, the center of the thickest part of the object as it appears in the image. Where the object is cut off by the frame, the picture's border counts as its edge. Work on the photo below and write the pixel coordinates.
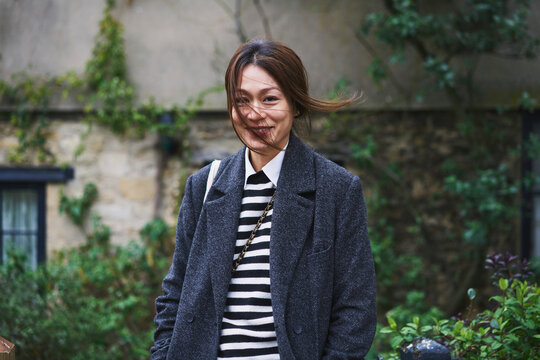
(415, 306)
(90, 302)
(508, 331)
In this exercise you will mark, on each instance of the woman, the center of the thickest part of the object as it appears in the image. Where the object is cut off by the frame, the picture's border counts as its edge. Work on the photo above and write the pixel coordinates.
(300, 286)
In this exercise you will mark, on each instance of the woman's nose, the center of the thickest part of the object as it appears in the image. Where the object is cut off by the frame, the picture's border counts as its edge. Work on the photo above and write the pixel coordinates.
(255, 113)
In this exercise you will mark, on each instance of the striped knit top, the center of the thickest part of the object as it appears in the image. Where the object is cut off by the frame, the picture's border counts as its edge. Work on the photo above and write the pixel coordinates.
(247, 330)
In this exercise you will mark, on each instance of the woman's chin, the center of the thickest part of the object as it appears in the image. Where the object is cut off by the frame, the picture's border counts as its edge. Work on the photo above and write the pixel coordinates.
(257, 143)
(259, 147)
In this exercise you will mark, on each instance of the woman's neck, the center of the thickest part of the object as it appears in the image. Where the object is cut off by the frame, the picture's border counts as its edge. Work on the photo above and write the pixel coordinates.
(259, 160)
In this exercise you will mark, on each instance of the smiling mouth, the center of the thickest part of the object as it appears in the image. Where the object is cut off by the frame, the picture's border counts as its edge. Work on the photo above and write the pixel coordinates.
(260, 131)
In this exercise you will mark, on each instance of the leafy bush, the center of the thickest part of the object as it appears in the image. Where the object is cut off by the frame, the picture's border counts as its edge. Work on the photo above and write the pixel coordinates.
(508, 331)
(486, 200)
(90, 302)
(415, 306)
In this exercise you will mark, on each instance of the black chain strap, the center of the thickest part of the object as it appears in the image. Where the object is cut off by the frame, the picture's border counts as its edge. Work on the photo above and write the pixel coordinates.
(250, 240)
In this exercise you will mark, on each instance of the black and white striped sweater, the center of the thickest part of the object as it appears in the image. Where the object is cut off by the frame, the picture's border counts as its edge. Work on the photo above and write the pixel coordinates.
(247, 330)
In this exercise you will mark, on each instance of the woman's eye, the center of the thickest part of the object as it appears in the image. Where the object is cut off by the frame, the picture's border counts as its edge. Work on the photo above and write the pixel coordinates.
(270, 99)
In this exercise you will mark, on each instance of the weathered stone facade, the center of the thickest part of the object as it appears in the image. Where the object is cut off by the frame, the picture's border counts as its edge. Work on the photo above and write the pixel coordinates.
(137, 181)
(126, 172)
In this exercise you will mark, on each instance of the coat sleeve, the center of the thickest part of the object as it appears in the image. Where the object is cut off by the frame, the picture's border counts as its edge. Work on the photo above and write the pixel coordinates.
(353, 317)
(167, 303)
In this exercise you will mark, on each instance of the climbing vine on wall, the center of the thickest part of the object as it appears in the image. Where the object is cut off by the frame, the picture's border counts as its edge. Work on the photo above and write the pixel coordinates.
(31, 99)
(448, 41)
(103, 91)
(421, 169)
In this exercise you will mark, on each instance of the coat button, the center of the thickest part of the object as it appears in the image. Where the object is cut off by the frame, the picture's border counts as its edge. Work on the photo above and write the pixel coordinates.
(189, 317)
(298, 330)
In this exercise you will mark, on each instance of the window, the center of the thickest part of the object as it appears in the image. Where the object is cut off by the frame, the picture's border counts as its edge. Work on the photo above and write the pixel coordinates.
(22, 225)
(22, 209)
(530, 228)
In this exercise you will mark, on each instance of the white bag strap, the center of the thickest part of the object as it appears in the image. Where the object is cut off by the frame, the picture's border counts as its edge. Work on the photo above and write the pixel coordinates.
(211, 175)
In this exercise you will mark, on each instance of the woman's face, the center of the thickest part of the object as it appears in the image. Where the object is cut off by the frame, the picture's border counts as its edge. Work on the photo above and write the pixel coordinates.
(267, 112)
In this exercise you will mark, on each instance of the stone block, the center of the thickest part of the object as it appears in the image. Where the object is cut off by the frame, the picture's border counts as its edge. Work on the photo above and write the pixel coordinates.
(117, 212)
(8, 142)
(61, 232)
(94, 142)
(137, 188)
(114, 164)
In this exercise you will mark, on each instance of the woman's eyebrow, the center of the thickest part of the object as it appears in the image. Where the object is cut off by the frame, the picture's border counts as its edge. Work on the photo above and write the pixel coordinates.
(263, 90)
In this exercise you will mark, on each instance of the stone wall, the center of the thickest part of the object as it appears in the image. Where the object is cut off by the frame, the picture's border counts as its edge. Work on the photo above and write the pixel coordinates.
(135, 180)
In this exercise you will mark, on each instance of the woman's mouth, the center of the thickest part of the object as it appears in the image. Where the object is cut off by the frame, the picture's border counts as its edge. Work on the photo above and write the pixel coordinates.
(260, 131)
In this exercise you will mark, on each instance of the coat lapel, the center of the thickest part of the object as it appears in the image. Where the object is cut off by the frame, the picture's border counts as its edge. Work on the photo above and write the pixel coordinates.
(291, 220)
(222, 213)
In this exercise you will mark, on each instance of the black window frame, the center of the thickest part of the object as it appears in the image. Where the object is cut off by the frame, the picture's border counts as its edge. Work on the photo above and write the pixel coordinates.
(39, 187)
(529, 119)
(37, 178)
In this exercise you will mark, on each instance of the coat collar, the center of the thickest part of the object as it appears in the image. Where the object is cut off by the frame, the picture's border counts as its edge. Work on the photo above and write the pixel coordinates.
(297, 172)
(291, 220)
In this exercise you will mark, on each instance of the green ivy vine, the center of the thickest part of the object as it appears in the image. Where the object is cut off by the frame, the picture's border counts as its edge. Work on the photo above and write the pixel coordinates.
(104, 92)
(449, 42)
(77, 208)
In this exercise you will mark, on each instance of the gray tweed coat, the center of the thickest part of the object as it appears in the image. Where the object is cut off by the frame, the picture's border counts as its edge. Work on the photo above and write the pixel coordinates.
(321, 268)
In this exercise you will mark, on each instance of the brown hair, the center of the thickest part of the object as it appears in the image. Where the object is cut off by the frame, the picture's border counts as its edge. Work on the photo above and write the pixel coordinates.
(282, 63)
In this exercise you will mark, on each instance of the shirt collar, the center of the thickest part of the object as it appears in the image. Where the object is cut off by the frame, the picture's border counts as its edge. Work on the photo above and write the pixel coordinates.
(271, 170)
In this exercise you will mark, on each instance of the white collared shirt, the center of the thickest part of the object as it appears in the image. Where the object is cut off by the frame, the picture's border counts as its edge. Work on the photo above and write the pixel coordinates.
(271, 170)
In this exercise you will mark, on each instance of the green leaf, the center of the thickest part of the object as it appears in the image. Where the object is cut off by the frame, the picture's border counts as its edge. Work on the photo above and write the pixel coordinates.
(396, 341)
(503, 284)
(426, 328)
(386, 330)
